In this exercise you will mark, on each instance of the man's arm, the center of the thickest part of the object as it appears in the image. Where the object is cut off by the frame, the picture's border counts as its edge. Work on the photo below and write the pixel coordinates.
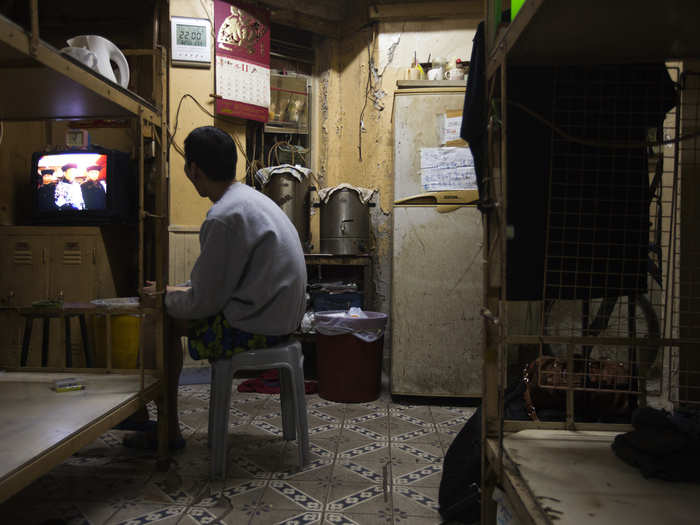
(177, 288)
(213, 277)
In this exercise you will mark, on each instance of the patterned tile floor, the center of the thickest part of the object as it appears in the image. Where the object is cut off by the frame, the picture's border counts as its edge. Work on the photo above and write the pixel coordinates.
(372, 463)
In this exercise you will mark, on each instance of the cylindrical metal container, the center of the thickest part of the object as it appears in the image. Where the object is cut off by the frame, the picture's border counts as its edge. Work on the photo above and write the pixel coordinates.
(344, 224)
(294, 198)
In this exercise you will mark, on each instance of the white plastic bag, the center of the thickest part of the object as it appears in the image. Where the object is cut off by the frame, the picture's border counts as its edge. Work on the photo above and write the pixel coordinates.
(366, 326)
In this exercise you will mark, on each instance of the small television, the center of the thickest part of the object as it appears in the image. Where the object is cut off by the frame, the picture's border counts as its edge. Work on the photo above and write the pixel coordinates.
(83, 186)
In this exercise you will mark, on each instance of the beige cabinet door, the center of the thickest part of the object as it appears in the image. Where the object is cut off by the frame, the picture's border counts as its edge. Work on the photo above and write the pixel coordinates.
(73, 263)
(73, 278)
(46, 263)
(24, 278)
(25, 275)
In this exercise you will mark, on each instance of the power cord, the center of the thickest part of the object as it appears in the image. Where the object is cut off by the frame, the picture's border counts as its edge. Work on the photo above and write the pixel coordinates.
(595, 143)
(181, 151)
(373, 88)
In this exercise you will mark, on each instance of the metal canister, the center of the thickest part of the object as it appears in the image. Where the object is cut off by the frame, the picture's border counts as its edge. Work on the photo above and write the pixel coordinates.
(293, 196)
(344, 224)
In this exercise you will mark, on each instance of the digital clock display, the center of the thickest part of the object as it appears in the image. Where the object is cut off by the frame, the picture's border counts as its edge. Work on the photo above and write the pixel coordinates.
(191, 41)
(190, 35)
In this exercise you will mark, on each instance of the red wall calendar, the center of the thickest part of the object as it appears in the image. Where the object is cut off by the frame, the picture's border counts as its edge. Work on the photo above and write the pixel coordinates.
(242, 60)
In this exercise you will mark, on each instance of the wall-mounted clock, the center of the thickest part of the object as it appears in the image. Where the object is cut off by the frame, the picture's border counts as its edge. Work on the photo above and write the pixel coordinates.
(191, 42)
(77, 138)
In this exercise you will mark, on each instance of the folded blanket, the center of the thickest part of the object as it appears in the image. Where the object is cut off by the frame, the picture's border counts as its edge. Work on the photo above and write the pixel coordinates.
(662, 445)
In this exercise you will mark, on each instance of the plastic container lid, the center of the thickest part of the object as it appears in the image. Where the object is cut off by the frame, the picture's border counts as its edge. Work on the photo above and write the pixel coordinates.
(117, 302)
(341, 318)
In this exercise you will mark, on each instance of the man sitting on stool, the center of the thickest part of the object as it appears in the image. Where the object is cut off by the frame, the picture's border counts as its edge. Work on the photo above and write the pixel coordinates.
(248, 285)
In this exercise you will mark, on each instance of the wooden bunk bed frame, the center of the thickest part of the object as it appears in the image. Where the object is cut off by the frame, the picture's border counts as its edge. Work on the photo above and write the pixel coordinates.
(39, 427)
(565, 472)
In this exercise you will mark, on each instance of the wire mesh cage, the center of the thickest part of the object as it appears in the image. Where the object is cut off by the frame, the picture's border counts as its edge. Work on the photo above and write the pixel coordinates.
(604, 180)
(621, 264)
(602, 239)
(605, 246)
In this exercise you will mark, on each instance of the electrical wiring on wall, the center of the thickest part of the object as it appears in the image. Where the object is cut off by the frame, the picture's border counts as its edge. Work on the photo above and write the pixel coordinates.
(181, 151)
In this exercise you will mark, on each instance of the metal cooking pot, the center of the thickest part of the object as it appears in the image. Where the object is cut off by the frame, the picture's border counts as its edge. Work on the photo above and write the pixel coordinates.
(293, 197)
(344, 224)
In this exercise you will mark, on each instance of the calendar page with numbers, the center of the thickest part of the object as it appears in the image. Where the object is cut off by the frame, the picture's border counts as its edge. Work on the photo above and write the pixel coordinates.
(242, 60)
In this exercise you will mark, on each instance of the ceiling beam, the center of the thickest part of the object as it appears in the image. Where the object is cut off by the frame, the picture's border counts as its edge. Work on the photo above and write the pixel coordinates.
(317, 9)
(471, 9)
(312, 24)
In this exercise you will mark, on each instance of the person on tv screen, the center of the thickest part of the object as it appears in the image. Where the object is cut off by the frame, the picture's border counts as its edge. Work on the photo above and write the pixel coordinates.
(94, 190)
(46, 199)
(68, 193)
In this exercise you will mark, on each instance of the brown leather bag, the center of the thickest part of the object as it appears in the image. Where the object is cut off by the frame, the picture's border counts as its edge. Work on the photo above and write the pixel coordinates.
(547, 378)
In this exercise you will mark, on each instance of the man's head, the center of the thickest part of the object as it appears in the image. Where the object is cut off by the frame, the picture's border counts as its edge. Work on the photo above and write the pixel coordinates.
(93, 173)
(48, 176)
(210, 159)
(70, 171)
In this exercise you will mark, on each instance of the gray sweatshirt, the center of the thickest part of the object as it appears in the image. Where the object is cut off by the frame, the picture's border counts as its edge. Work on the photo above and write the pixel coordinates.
(251, 267)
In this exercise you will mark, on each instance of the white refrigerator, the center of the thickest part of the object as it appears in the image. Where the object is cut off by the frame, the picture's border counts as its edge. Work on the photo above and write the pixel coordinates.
(437, 263)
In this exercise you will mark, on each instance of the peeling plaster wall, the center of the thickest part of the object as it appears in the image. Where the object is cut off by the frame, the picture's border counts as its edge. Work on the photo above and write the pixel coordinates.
(343, 70)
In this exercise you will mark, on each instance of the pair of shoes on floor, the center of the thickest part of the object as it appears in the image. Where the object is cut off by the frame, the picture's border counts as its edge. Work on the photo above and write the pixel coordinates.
(145, 437)
(135, 425)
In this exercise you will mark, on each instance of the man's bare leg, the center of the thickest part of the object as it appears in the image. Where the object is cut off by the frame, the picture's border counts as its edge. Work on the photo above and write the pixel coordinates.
(173, 360)
(177, 329)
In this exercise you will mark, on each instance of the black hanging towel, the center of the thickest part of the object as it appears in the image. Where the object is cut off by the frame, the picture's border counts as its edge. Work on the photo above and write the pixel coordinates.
(580, 211)
(473, 128)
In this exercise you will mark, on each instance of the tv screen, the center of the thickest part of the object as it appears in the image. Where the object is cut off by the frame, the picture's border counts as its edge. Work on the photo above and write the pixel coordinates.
(72, 181)
(83, 186)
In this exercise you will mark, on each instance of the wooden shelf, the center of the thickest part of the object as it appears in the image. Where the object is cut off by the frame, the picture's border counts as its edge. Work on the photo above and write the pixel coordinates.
(555, 475)
(49, 85)
(338, 260)
(39, 428)
(552, 32)
(363, 263)
(414, 84)
(80, 308)
(565, 477)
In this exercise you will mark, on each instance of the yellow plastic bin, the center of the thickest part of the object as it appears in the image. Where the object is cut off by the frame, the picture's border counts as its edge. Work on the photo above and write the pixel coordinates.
(125, 333)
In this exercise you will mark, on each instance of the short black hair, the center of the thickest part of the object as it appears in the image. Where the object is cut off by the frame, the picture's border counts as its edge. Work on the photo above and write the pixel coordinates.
(213, 151)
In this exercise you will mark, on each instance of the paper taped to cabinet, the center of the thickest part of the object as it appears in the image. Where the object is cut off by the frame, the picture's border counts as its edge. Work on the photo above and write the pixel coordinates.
(449, 124)
(447, 168)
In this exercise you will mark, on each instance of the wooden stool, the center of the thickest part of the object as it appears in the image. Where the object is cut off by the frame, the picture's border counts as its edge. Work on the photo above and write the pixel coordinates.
(46, 315)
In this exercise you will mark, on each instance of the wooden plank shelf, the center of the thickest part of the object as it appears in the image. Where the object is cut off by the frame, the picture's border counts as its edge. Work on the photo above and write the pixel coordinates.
(566, 477)
(338, 260)
(42, 83)
(39, 427)
(552, 32)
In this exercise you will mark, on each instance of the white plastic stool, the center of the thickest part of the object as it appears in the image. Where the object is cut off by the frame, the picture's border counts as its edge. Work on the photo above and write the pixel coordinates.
(288, 358)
